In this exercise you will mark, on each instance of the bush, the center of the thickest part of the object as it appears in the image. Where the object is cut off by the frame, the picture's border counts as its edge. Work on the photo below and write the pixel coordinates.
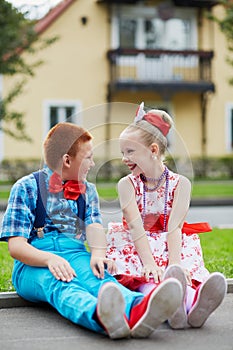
(14, 169)
(213, 167)
(202, 167)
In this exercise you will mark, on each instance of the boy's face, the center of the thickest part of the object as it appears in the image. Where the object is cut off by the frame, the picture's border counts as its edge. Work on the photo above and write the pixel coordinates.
(82, 162)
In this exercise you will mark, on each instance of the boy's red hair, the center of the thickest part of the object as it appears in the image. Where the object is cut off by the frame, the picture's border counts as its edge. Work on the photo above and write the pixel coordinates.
(63, 138)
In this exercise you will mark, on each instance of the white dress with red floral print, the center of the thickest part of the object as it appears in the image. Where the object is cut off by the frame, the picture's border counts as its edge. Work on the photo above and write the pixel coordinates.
(121, 247)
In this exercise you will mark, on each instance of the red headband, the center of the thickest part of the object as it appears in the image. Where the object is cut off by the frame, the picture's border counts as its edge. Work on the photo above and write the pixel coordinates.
(157, 121)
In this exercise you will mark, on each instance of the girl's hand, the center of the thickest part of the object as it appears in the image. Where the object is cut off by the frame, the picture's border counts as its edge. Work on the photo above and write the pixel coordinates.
(60, 268)
(99, 264)
(155, 272)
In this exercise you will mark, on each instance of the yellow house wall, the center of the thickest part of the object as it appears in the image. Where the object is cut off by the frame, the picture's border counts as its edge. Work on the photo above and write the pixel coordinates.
(75, 68)
(216, 132)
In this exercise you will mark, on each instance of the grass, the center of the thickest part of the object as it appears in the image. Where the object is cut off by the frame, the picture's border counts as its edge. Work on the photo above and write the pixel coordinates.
(6, 265)
(205, 189)
(212, 189)
(217, 250)
(200, 189)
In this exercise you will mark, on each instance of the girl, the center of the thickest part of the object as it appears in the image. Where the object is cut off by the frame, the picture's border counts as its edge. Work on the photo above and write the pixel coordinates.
(153, 242)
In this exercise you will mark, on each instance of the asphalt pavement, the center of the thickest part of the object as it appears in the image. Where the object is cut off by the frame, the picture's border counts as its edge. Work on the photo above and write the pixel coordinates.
(42, 328)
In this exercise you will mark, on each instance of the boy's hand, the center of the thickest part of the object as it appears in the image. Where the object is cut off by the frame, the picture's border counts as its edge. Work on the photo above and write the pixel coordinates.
(99, 264)
(60, 268)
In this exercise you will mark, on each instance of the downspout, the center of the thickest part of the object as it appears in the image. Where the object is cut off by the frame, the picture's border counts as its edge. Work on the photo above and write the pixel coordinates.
(107, 167)
(203, 123)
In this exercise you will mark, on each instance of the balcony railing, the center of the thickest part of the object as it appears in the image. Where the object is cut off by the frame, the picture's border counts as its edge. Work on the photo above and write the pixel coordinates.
(161, 69)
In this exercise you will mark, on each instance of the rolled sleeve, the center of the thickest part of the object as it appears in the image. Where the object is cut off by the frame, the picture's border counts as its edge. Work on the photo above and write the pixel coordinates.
(20, 213)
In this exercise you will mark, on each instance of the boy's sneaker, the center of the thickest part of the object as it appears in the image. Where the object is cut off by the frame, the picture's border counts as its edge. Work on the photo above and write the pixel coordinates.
(208, 297)
(155, 308)
(179, 318)
(111, 311)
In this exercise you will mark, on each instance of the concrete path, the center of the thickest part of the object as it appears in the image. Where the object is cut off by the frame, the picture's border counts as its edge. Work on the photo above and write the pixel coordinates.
(41, 328)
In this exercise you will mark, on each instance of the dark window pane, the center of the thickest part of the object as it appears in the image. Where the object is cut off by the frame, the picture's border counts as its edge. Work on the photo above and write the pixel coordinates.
(127, 33)
(69, 113)
(53, 116)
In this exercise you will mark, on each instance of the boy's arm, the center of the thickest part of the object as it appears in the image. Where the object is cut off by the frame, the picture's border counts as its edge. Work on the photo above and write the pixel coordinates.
(135, 224)
(97, 243)
(21, 250)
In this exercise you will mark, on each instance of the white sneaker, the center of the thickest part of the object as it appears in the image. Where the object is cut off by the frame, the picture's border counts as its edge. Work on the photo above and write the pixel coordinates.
(155, 308)
(179, 318)
(111, 311)
(210, 296)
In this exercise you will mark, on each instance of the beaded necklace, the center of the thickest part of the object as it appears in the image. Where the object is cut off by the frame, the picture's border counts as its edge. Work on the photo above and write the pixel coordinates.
(146, 189)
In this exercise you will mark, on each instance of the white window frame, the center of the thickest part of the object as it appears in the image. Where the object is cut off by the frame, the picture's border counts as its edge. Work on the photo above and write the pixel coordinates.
(47, 104)
(228, 127)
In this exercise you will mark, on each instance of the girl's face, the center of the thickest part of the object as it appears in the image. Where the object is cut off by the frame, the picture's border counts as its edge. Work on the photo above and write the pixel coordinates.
(82, 162)
(135, 154)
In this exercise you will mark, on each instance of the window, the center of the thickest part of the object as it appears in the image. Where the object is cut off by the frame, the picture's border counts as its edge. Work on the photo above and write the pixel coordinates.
(229, 127)
(60, 111)
(142, 28)
(127, 32)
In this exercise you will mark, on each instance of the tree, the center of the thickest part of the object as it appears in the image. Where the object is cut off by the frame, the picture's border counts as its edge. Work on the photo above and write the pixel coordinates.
(17, 35)
(226, 26)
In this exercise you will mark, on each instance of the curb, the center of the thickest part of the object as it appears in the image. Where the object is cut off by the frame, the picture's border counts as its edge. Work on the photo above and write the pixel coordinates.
(12, 299)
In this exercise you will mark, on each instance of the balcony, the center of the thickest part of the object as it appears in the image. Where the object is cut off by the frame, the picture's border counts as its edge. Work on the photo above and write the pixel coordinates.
(162, 71)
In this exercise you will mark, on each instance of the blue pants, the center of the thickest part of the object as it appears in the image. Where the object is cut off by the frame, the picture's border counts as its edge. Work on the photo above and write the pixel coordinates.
(75, 300)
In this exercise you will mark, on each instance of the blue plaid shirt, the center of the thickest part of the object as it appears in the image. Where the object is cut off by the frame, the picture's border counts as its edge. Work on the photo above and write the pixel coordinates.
(62, 214)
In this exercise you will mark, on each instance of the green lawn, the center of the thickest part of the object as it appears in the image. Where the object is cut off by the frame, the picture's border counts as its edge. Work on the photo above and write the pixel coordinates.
(217, 249)
(204, 189)
(6, 264)
(212, 189)
(199, 189)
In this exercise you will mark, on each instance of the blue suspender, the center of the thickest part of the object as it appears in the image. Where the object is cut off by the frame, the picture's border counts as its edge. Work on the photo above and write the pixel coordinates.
(41, 199)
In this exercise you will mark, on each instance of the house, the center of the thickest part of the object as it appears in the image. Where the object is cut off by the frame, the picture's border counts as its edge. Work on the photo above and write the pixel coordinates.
(110, 56)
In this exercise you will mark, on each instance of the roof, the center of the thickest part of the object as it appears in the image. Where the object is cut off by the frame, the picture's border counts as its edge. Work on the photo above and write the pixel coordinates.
(52, 15)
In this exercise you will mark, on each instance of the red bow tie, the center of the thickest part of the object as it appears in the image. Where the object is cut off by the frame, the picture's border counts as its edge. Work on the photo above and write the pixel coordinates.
(72, 189)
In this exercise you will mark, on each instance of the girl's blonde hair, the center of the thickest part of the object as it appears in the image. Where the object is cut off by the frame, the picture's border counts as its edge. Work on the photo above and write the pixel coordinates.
(151, 133)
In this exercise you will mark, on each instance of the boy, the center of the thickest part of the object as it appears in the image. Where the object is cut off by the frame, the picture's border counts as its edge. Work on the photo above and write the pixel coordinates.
(52, 263)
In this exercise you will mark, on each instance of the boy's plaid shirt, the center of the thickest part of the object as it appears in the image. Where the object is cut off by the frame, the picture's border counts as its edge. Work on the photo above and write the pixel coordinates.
(61, 216)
